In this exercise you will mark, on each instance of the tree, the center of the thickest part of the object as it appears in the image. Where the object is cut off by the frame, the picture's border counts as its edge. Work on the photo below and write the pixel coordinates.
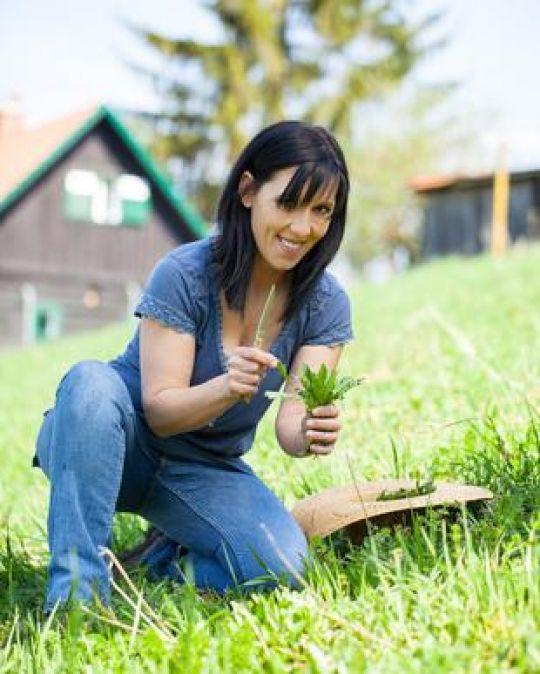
(309, 59)
(411, 135)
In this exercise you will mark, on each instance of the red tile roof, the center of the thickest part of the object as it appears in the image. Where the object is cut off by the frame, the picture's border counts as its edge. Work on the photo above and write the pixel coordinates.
(22, 152)
(423, 184)
(25, 154)
(426, 183)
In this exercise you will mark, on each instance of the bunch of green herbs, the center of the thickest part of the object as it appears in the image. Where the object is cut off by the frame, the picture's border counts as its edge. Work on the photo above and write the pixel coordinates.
(317, 388)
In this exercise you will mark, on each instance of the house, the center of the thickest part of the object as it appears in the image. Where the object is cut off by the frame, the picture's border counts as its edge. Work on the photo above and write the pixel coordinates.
(458, 212)
(84, 216)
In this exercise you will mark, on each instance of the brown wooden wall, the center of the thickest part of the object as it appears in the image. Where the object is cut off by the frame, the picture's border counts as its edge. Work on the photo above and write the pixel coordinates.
(69, 296)
(63, 258)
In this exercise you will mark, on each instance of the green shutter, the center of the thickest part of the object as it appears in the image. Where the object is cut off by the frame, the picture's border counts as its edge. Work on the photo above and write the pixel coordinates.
(80, 188)
(78, 207)
(135, 213)
(134, 194)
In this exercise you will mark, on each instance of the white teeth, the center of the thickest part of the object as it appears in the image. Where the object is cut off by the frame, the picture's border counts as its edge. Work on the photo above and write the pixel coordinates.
(291, 245)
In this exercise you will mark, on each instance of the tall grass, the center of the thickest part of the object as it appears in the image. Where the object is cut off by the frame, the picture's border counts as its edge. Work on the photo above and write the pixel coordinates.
(450, 356)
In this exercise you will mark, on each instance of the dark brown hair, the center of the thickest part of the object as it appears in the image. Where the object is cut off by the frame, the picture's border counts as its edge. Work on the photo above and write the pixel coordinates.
(320, 164)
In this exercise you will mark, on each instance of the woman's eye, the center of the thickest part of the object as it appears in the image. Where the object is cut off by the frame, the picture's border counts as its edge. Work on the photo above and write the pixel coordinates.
(325, 211)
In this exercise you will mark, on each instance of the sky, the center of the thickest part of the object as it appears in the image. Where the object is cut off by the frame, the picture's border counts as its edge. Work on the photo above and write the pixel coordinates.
(60, 55)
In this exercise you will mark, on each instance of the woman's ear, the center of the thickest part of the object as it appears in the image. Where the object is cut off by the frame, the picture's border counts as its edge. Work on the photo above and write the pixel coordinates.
(246, 189)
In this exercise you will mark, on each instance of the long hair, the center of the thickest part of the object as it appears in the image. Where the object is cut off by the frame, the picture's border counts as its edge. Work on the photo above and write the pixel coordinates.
(320, 165)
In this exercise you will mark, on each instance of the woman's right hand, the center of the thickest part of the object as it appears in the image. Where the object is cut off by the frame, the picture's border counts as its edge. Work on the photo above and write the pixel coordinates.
(247, 366)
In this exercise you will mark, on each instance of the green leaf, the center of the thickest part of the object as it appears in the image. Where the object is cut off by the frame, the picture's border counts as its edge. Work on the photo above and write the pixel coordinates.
(283, 371)
(260, 332)
(323, 387)
(317, 388)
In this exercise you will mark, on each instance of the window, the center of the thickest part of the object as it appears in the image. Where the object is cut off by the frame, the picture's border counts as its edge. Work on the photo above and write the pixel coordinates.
(118, 200)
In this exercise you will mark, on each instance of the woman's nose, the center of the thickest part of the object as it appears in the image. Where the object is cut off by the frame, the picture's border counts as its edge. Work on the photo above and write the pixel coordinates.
(300, 224)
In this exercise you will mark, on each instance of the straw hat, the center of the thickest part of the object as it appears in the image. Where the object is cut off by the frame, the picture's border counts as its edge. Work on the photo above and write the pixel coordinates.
(351, 507)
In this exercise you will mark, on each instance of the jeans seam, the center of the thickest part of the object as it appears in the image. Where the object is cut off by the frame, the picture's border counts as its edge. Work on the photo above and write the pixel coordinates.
(208, 518)
(146, 496)
(118, 470)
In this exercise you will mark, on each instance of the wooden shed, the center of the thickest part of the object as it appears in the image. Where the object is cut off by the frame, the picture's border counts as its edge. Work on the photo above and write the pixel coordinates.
(84, 216)
(458, 212)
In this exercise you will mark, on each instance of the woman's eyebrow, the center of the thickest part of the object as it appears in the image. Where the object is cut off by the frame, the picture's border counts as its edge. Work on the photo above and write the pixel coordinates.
(324, 200)
(326, 194)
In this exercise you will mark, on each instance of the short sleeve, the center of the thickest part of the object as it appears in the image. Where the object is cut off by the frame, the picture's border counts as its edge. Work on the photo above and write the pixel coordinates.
(329, 318)
(169, 296)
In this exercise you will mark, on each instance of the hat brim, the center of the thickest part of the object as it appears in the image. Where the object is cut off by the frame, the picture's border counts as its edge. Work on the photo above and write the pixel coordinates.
(324, 513)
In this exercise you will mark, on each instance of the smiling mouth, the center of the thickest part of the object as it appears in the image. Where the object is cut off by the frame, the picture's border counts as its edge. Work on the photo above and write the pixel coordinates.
(293, 246)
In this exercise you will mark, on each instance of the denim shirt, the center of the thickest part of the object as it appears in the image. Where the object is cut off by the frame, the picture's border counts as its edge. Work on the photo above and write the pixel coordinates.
(182, 293)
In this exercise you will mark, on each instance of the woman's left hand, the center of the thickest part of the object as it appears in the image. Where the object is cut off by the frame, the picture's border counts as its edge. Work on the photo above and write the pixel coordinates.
(321, 429)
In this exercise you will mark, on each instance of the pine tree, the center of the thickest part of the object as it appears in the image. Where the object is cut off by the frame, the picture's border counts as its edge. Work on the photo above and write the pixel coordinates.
(309, 59)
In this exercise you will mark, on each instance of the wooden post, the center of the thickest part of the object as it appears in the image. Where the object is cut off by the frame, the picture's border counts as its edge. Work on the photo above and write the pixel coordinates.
(499, 223)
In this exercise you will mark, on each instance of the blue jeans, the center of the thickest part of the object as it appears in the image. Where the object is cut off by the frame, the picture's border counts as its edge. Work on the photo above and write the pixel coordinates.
(92, 448)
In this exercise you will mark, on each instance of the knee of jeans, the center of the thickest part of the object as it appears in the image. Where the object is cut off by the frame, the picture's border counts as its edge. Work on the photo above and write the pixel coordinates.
(43, 441)
(90, 389)
(281, 558)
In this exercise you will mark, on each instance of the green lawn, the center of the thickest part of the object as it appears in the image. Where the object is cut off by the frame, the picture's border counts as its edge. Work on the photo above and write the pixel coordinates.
(450, 353)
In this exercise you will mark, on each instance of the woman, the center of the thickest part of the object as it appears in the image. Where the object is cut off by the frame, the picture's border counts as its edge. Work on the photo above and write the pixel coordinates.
(160, 430)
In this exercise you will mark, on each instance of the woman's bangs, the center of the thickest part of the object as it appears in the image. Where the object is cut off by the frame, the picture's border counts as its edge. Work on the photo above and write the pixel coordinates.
(311, 180)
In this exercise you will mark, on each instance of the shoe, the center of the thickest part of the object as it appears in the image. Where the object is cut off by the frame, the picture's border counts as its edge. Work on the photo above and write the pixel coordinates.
(135, 556)
(158, 553)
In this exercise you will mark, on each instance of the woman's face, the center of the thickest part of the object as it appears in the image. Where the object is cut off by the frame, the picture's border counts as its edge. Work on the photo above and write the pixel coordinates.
(284, 235)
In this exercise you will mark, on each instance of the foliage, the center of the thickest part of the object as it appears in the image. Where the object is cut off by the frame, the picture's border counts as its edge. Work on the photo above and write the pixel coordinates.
(405, 136)
(453, 373)
(309, 59)
(316, 388)
(506, 463)
(421, 488)
(324, 387)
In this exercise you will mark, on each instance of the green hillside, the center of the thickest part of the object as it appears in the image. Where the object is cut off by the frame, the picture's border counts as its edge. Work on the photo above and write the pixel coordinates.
(451, 359)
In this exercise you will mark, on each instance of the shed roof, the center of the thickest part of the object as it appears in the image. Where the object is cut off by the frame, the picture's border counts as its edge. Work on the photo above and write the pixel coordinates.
(425, 184)
(26, 155)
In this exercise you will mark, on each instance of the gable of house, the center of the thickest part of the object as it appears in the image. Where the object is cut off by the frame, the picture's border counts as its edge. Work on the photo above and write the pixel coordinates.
(27, 155)
(80, 232)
